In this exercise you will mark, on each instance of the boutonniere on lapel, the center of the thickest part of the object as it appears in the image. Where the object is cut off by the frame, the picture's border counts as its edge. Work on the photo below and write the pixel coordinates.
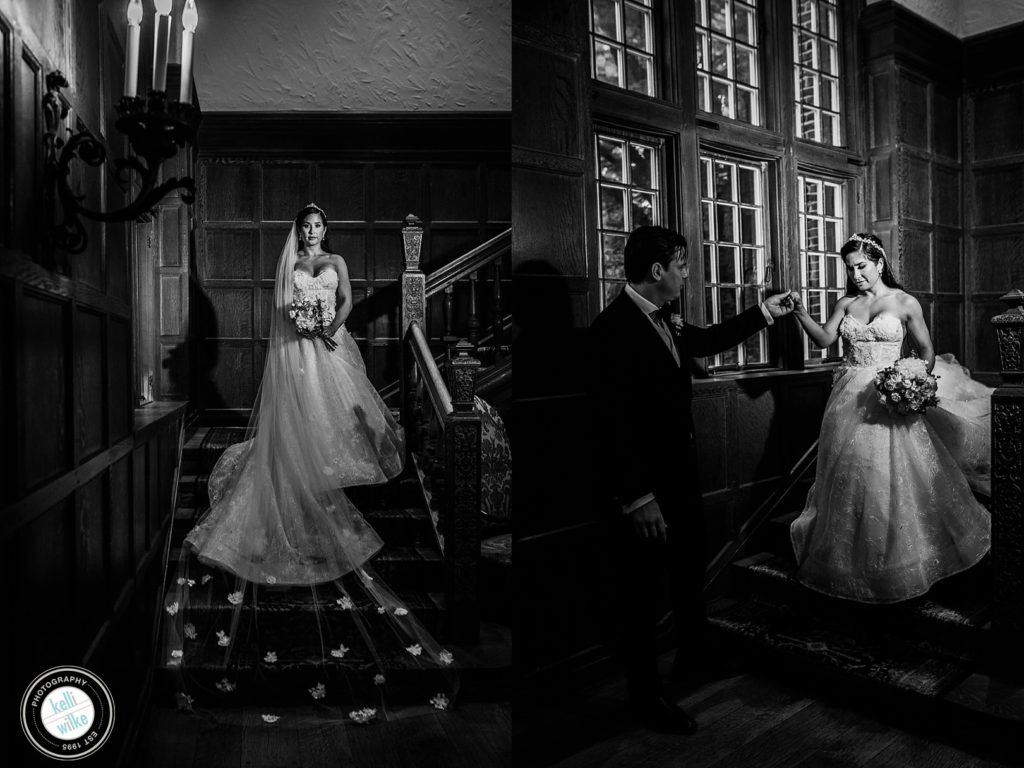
(675, 322)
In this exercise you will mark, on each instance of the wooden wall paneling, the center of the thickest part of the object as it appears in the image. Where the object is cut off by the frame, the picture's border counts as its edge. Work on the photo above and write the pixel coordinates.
(949, 263)
(915, 269)
(281, 185)
(153, 502)
(498, 192)
(999, 194)
(914, 116)
(980, 337)
(944, 122)
(946, 184)
(229, 191)
(343, 191)
(140, 498)
(44, 391)
(7, 129)
(27, 171)
(547, 84)
(997, 263)
(455, 193)
(91, 539)
(553, 203)
(998, 116)
(121, 562)
(43, 555)
(229, 254)
(711, 418)
(916, 191)
(398, 191)
(90, 385)
(947, 326)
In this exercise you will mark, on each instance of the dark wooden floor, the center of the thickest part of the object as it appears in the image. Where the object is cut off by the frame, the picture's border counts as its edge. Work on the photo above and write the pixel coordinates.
(751, 720)
(470, 736)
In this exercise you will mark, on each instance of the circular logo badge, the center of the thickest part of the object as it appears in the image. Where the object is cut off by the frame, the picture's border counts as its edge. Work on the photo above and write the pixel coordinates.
(67, 713)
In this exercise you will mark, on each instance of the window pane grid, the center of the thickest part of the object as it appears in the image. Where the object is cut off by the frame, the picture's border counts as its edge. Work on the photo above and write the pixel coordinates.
(816, 70)
(728, 74)
(629, 195)
(622, 44)
(822, 272)
(734, 250)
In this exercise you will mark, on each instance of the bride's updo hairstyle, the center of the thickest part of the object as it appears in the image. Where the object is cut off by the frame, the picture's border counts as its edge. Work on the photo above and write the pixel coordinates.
(301, 216)
(872, 248)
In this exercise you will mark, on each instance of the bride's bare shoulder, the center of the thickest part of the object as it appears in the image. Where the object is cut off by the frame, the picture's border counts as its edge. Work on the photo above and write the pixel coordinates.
(338, 263)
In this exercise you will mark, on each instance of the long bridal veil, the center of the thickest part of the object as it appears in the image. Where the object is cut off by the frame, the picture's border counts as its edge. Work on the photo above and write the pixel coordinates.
(274, 598)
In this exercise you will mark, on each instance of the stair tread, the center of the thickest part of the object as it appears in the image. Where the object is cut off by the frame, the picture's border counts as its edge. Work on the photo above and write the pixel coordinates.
(945, 603)
(862, 652)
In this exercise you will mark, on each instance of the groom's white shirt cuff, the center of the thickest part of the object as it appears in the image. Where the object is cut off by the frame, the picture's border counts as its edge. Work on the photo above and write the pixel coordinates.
(627, 508)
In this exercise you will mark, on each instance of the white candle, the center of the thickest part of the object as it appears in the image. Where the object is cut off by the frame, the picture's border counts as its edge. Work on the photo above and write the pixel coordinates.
(161, 43)
(131, 59)
(189, 22)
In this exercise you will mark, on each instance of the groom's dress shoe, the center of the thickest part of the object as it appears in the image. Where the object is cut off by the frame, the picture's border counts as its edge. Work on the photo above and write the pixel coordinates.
(663, 716)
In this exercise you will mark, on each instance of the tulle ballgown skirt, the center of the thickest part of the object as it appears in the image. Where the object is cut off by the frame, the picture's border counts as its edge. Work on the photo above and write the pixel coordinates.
(278, 513)
(892, 508)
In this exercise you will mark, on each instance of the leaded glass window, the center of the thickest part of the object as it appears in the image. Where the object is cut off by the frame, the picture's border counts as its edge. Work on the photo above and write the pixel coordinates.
(734, 249)
(629, 195)
(822, 271)
(816, 70)
(728, 75)
(622, 44)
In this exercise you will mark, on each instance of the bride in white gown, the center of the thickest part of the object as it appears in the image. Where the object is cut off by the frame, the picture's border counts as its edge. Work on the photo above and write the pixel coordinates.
(892, 509)
(279, 518)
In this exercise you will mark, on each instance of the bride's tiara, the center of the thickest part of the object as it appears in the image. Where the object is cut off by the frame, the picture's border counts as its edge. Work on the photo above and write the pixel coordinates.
(316, 208)
(855, 238)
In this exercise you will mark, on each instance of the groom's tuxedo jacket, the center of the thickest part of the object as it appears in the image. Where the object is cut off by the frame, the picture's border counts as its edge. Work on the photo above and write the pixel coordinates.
(641, 400)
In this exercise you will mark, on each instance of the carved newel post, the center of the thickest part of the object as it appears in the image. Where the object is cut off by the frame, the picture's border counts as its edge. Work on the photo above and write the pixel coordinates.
(414, 282)
(1008, 475)
(412, 309)
(462, 519)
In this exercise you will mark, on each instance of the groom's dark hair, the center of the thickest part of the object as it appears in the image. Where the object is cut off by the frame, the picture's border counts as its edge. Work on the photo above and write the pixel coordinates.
(647, 245)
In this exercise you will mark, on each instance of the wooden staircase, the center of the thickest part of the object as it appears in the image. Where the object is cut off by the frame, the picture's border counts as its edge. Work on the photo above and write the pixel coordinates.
(935, 656)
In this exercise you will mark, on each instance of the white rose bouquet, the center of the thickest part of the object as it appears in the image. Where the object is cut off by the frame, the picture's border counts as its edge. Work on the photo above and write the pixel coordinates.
(906, 387)
(310, 316)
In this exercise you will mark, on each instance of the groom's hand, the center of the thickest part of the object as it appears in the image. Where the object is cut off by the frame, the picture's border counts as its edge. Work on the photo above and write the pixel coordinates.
(780, 304)
(648, 522)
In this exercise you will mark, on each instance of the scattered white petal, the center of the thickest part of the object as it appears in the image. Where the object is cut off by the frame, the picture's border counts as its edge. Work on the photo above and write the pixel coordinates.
(318, 691)
(185, 702)
(440, 701)
(271, 657)
(345, 603)
(339, 652)
(400, 611)
(176, 654)
(223, 638)
(364, 715)
(378, 679)
(328, 471)
(446, 657)
(235, 597)
(415, 649)
(173, 608)
(270, 718)
(206, 578)
(225, 685)
(381, 610)
(190, 631)
(271, 580)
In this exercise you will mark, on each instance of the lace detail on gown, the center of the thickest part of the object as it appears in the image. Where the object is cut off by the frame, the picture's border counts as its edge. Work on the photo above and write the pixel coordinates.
(891, 511)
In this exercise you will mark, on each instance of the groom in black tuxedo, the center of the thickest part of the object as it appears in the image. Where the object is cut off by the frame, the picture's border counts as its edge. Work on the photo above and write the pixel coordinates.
(641, 392)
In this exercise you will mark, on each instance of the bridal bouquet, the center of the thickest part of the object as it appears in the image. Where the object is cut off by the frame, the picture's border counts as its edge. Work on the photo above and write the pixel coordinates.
(310, 316)
(906, 387)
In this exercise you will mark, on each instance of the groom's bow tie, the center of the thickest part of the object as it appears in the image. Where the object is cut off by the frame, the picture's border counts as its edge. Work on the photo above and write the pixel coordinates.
(662, 313)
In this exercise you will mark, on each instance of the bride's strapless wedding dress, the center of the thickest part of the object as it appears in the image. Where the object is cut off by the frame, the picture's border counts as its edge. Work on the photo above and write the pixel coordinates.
(267, 529)
(892, 509)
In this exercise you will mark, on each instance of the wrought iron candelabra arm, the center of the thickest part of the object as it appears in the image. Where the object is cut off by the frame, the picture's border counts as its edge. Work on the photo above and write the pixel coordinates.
(155, 128)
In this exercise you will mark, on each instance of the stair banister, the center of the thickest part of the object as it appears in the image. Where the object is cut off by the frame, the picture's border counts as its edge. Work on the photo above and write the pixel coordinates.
(1008, 478)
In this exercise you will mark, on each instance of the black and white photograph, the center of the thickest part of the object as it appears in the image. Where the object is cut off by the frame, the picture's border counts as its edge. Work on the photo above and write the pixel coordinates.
(265, 266)
(767, 292)
(256, 378)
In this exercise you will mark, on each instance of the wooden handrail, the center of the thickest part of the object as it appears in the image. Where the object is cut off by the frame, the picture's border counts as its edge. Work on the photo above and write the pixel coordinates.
(767, 508)
(440, 398)
(469, 262)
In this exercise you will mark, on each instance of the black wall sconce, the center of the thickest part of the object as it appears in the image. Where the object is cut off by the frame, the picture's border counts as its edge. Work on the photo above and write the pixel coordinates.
(155, 126)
